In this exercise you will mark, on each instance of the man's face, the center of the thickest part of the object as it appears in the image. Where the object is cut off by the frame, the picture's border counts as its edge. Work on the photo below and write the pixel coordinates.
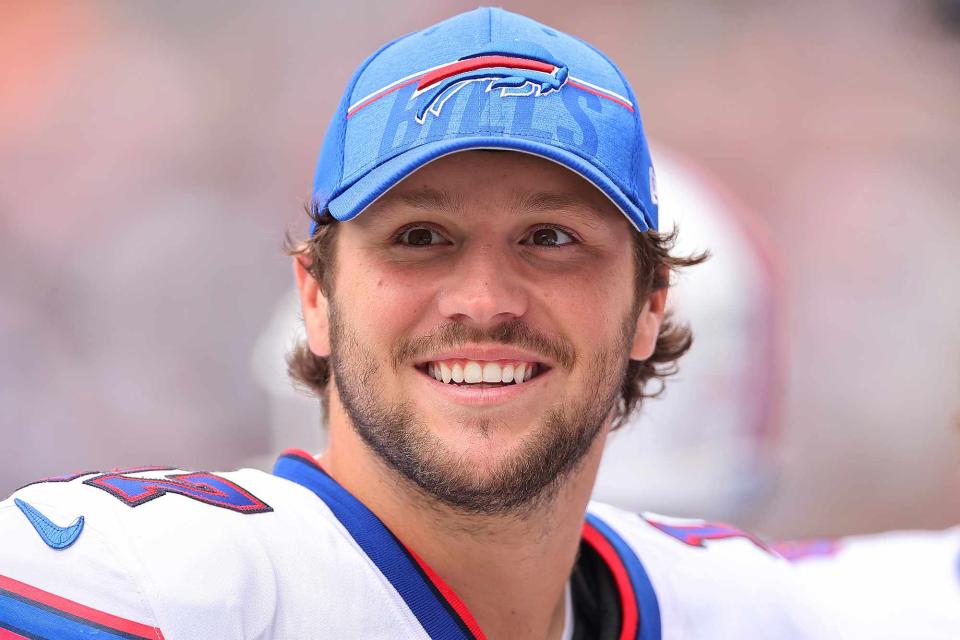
(481, 321)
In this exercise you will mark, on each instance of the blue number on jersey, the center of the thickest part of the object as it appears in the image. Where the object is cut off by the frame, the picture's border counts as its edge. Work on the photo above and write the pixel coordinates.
(695, 534)
(202, 486)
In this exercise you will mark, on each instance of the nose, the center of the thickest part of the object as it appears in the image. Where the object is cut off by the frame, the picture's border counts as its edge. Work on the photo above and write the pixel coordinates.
(483, 287)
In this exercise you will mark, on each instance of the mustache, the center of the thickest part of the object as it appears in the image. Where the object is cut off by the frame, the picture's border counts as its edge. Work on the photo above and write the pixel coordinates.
(514, 333)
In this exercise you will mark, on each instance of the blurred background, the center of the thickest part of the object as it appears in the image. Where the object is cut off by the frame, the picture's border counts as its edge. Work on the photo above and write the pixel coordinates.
(152, 155)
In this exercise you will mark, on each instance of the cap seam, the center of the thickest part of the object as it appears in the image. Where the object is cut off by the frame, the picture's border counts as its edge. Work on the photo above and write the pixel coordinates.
(633, 101)
(342, 125)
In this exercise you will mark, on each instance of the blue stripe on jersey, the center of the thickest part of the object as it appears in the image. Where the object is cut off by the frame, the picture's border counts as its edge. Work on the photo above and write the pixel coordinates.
(647, 604)
(39, 622)
(381, 546)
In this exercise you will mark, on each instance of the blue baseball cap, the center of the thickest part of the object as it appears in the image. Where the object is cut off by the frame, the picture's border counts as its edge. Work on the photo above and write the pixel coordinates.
(485, 79)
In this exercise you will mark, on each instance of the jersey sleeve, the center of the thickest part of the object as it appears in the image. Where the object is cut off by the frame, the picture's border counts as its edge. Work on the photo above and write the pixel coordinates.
(715, 581)
(167, 554)
(149, 552)
(62, 573)
(903, 584)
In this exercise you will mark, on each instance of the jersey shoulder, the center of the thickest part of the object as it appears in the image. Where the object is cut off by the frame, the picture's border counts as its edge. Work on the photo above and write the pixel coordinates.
(155, 506)
(713, 579)
(182, 553)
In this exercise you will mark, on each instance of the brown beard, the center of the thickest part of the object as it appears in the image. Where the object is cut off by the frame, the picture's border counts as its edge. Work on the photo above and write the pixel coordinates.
(521, 482)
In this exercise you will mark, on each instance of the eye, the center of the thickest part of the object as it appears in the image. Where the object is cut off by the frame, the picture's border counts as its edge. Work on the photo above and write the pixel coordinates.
(549, 237)
(420, 236)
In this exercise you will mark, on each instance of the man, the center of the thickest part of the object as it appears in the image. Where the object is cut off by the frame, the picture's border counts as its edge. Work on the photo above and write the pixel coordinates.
(483, 296)
(705, 448)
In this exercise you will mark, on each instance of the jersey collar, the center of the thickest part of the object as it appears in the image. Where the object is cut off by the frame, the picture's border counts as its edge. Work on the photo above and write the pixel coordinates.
(638, 600)
(438, 609)
(436, 606)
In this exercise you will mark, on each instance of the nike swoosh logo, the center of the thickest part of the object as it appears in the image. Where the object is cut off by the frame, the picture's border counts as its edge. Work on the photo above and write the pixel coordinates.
(55, 536)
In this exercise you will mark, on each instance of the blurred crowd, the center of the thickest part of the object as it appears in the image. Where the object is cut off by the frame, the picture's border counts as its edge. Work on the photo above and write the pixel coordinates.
(152, 156)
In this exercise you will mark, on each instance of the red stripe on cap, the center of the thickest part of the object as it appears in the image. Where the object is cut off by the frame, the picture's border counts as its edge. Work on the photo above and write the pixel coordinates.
(600, 94)
(628, 599)
(377, 96)
(482, 62)
(79, 610)
(10, 635)
(450, 596)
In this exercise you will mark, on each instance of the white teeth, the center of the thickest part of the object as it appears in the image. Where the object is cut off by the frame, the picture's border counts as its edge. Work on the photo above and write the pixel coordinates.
(518, 372)
(491, 372)
(472, 372)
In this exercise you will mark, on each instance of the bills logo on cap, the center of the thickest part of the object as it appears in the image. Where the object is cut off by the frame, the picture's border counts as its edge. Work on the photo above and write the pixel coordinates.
(514, 76)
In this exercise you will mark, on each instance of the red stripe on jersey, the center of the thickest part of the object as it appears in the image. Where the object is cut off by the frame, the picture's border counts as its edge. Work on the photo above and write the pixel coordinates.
(79, 610)
(628, 600)
(450, 596)
(10, 635)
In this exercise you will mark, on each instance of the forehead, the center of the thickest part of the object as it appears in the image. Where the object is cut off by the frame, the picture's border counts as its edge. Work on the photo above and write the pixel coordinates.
(496, 180)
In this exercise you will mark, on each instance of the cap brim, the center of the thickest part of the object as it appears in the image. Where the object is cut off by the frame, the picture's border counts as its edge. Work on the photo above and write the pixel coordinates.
(362, 193)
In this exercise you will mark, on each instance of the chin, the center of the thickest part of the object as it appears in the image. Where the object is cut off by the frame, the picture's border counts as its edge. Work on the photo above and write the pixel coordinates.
(484, 440)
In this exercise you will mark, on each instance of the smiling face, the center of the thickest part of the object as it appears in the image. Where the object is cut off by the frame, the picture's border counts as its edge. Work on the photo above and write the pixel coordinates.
(480, 325)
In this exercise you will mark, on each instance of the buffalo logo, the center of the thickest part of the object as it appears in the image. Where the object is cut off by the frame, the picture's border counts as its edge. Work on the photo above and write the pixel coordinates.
(513, 76)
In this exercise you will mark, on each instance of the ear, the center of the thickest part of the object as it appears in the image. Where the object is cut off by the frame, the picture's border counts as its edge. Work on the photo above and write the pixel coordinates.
(313, 305)
(648, 325)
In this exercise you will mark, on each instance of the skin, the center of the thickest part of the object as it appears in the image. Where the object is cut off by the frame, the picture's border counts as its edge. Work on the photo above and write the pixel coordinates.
(392, 307)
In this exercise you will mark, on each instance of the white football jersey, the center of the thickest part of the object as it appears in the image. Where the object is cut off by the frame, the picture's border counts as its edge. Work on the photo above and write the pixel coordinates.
(165, 554)
(890, 586)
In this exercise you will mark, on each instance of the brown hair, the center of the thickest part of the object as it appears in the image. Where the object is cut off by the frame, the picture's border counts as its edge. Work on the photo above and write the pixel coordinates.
(654, 265)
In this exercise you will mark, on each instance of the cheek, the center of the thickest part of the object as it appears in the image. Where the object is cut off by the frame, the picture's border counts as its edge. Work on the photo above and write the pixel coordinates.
(592, 304)
(381, 306)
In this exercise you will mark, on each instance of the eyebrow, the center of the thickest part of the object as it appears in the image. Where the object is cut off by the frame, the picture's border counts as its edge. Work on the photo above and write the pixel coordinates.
(544, 201)
(425, 199)
(429, 199)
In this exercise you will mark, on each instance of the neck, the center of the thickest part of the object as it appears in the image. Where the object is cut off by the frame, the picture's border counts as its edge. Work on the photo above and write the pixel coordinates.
(510, 570)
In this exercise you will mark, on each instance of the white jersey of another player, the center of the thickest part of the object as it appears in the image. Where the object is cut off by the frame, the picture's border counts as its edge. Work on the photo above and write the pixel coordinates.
(890, 586)
(163, 554)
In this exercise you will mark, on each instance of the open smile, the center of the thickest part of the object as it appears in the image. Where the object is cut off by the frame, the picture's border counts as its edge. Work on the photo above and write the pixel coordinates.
(480, 373)
(481, 380)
